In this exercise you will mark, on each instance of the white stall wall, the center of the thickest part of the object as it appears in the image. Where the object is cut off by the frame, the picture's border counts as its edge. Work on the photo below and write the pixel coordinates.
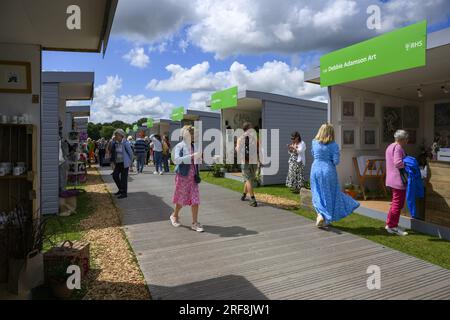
(236, 118)
(346, 169)
(19, 103)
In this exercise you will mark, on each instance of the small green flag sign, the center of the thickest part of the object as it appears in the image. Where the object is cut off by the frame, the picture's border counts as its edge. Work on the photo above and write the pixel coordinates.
(135, 128)
(225, 99)
(394, 51)
(177, 114)
(149, 123)
(127, 130)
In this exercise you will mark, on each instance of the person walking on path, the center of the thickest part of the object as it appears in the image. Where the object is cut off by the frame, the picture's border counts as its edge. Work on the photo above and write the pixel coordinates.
(247, 145)
(165, 153)
(297, 160)
(147, 141)
(121, 156)
(157, 153)
(91, 151)
(101, 151)
(131, 142)
(140, 151)
(394, 167)
(187, 178)
(330, 203)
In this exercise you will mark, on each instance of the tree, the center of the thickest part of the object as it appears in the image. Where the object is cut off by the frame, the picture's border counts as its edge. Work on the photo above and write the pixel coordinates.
(93, 130)
(107, 132)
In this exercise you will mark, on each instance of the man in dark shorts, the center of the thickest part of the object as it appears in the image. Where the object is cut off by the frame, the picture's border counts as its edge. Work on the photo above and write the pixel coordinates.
(247, 145)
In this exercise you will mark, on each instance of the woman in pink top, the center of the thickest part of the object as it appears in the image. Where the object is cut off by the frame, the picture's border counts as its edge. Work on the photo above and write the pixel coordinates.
(394, 163)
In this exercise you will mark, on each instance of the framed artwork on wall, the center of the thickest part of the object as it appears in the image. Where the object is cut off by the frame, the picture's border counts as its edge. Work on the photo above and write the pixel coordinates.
(348, 137)
(370, 137)
(412, 139)
(348, 109)
(442, 124)
(370, 111)
(15, 77)
(411, 117)
(392, 121)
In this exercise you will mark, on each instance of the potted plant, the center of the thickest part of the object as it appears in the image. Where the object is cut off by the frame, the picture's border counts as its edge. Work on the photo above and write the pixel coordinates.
(218, 170)
(350, 189)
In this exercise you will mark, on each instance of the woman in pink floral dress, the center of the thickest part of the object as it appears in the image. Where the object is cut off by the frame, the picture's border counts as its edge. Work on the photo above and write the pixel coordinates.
(186, 191)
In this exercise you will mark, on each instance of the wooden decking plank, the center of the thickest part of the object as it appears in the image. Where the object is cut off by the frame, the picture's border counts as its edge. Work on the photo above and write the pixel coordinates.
(260, 253)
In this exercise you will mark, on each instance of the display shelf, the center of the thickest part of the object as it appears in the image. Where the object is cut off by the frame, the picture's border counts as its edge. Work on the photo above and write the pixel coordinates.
(21, 177)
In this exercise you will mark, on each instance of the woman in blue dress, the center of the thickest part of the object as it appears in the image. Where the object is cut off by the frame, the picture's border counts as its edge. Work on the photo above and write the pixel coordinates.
(330, 203)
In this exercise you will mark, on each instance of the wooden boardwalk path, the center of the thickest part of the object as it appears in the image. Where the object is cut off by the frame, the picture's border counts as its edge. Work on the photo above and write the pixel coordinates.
(259, 253)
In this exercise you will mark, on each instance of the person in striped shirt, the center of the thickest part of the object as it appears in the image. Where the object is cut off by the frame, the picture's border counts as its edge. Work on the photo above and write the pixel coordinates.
(140, 151)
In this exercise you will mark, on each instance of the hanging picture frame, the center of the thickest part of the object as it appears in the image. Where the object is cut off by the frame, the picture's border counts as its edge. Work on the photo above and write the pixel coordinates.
(370, 137)
(412, 136)
(348, 109)
(392, 121)
(349, 137)
(15, 77)
(370, 110)
(411, 117)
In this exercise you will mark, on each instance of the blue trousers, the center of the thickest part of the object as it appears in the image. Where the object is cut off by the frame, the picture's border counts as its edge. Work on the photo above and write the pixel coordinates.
(140, 160)
(157, 158)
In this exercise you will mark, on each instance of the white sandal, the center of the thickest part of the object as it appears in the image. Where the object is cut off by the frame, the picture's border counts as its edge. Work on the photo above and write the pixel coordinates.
(174, 221)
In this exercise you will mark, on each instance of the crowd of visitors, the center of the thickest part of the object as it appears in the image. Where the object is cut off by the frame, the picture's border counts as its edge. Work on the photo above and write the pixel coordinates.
(330, 203)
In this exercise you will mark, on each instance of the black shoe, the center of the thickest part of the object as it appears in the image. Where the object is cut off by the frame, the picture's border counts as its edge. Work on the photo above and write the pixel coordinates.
(253, 203)
(122, 196)
(118, 193)
(244, 197)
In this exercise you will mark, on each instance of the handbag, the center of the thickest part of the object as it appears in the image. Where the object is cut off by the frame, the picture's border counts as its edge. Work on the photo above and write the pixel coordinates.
(403, 174)
(197, 175)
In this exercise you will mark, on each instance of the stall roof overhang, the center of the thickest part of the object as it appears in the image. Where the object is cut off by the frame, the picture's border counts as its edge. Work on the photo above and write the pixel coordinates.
(252, 100)
(404, 84)
(159, 121)
(79, 111)
(194, 114)
(43, 22)
(72, 85)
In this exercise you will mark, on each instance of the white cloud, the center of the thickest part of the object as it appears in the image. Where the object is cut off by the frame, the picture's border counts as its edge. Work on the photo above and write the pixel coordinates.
(137, 58)
(108, 105)
(227, 28)
(160, 47)
(183, 45)
(273, 76)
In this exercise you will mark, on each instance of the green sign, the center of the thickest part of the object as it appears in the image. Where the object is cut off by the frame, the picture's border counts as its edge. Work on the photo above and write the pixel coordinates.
(149, 123)
(135, 128)
(398, 50)
(127, 130)
(225, 99)
(177, 114)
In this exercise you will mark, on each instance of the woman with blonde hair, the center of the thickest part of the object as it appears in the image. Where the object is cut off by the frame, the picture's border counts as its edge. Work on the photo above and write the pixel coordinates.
(187, 178)
(330, 203)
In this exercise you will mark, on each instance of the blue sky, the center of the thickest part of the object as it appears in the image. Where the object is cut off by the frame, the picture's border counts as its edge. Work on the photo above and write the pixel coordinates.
(271, 48)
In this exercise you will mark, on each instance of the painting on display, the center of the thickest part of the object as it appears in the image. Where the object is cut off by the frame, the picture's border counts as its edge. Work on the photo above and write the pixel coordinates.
(15, 77)
(442, 124)
(370, 137)
(392, 121)
(348, 110)
(348, 137)
(412, 136)
(369, 110)
(411, 117)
